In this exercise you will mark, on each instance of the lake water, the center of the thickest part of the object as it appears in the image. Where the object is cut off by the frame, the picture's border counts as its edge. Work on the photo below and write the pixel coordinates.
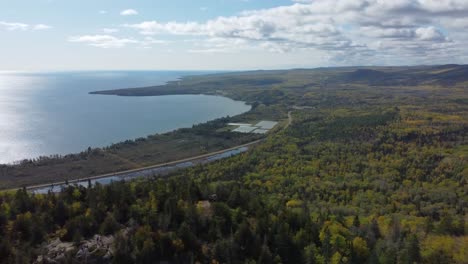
(53, 113)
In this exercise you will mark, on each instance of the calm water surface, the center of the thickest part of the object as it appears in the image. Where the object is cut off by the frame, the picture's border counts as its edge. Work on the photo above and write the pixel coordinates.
(52, 113)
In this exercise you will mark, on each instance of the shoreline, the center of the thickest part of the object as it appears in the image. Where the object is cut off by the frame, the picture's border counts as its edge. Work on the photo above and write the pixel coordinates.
(174, 145)
(101, 147)
(61, 169)
(198, 158)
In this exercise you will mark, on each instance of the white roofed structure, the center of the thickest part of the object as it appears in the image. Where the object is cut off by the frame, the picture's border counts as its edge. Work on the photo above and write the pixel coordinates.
(266, 124)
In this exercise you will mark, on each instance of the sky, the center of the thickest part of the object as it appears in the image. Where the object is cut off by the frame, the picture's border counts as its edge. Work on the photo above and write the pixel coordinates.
(56, 35)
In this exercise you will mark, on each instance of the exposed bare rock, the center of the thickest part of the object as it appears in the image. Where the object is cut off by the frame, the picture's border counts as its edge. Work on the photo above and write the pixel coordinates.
(95, 250)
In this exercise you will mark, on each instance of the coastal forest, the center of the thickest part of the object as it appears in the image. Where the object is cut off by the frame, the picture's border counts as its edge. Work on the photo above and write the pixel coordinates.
(367, 165)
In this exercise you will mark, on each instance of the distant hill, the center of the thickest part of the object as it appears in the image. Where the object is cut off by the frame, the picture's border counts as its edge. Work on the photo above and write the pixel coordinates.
(383, 76)
(376, 77)
(233, 83)
(451, 74)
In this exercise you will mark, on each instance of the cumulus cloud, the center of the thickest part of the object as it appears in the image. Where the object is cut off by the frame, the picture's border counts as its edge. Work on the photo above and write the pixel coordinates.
(430, 34)
(337, 28)
(279, 29)
(421, 33)
(102, 41)
(129, 12)
(343, 31)
(15, 26)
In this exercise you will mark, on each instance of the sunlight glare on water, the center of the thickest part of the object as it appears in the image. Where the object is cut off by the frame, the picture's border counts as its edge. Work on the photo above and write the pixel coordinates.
(46, 114)
(17, 118)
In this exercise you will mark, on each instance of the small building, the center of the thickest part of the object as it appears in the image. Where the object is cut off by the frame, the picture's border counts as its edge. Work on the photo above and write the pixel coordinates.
(261, 127)
(244, 129)
(266, 124)
(239, 124)
(260, 131)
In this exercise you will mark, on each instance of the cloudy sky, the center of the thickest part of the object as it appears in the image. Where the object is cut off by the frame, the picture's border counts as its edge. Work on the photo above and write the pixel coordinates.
(229, 34)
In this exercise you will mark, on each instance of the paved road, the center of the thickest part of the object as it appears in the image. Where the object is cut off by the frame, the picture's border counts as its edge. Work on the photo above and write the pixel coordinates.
(182, 163)
(145, 171)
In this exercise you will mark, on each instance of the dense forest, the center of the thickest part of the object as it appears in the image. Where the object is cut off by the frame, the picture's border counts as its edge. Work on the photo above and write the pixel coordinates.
(367, 172)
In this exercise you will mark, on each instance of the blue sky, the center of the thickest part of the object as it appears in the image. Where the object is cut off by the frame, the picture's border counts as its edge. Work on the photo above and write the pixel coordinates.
(42, 35)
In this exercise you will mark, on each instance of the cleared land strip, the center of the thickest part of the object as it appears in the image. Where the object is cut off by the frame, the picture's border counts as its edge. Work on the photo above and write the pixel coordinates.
(290, 117)
(290, 120)
(191, 159)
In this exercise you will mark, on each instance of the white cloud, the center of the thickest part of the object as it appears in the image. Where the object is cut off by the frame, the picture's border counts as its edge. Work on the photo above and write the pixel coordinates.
(110, 41)
(103, 12)
(41, 27)
(421, 33)
(337, 28)
(15, 26)
(102, 41)
(129, 12)
(285, 28)
(430, 34)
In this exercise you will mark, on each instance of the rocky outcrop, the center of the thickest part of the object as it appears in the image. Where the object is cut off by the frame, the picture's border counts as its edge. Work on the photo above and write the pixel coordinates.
(95, 250)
